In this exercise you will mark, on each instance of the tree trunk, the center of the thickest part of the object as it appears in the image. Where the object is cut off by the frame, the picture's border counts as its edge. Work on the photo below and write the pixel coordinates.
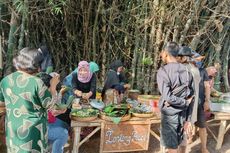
(11, 42)
(95, 30)
(1, 47)
(23, 24)
(196, 39)
(226, 69)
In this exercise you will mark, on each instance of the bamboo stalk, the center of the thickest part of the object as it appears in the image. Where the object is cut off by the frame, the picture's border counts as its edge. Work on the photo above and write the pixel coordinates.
(11, 42)
(23, 24)
(196, 39)
(95, 29)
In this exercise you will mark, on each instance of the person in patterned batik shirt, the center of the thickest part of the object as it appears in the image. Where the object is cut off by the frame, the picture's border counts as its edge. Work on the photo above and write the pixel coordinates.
(27, 99)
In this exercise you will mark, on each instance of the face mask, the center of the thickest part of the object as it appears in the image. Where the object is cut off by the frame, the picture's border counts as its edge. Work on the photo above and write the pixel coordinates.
(199, 64)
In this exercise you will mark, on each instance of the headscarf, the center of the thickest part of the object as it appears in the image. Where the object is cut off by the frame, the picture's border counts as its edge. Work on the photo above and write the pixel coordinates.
(93, 67)
(114, 65)
(86, 77)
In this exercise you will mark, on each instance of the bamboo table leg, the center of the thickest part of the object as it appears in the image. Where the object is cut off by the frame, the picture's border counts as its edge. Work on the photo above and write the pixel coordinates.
(221, 134)
(77, 131)
(155, 135)
(163, 150)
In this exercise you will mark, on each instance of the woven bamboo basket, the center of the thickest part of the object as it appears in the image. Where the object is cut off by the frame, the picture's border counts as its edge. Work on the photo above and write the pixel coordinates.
(83, 119)
(143, 115)
(109, 118)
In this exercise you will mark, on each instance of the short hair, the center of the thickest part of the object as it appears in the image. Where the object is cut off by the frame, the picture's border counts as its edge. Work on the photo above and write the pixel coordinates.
(28, 60)
(185, 51)
(172, 48)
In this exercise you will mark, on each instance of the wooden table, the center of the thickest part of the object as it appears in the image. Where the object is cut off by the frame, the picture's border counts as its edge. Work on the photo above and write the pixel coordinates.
(224, 125)
(76, 126)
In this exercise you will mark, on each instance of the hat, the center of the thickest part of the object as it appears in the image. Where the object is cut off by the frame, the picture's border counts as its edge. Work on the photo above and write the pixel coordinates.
(185, 51)
(197, 56)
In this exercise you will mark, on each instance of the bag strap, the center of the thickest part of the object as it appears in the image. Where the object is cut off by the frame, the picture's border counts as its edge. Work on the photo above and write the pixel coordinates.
(187, 76)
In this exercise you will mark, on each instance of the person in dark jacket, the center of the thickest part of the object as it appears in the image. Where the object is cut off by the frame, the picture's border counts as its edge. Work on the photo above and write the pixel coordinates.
(185, 57)
(115, 80)
(204, 96)
(47, 63)
(171, 77)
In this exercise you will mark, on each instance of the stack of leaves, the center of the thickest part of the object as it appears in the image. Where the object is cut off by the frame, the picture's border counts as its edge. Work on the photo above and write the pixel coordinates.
(87, 112)
(116, 110)
(142, 109)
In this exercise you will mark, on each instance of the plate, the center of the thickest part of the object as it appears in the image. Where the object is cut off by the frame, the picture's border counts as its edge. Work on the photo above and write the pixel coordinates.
(97, 104)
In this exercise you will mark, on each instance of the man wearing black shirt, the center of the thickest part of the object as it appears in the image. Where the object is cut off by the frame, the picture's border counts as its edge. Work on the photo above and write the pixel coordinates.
(173, 105)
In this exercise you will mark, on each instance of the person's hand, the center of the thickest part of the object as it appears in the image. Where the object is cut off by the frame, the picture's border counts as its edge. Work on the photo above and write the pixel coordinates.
(78, 93)
(206, 106)
(189, 100)
(188, 128)
(87, 95)
(127, 86)
(166, 104)
(54, 81)
(56, 112)
(53, 84)
(63, 90)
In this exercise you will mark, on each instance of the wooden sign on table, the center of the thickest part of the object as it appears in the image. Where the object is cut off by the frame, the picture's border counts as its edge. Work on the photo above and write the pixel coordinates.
(125, 136)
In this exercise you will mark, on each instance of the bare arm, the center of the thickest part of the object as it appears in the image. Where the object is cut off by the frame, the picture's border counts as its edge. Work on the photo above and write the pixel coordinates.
(207, 95)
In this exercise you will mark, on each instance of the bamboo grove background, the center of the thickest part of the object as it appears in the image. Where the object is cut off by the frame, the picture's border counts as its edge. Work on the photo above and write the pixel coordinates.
(104, 30)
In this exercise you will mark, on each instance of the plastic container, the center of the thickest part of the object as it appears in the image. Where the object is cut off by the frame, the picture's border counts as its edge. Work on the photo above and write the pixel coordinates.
(220, 107)
(151, 100)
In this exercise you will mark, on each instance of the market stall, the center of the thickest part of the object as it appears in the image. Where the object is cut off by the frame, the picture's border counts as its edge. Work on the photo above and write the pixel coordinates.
(223, 121)
(220, 108)
(124, 127)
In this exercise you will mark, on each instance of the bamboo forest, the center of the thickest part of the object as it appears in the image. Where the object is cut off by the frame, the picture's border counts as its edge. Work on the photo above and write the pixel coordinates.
(104, 30)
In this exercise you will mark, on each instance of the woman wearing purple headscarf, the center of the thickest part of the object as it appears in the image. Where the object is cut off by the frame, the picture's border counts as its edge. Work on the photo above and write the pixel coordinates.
(84, 82)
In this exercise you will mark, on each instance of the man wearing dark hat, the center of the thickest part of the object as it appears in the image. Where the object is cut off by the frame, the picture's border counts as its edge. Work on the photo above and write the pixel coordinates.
(175, 85)
(185, 57)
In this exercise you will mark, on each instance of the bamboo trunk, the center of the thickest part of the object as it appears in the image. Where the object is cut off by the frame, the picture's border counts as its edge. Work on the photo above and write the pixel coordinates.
(196, 39)
(1, 47)
(95, 30)
(23, 24)
(157, 48)
(11, 43)
(226, 68)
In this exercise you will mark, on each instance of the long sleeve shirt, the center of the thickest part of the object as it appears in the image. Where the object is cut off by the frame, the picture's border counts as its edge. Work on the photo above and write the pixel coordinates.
(170, 77)
(85, 87)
